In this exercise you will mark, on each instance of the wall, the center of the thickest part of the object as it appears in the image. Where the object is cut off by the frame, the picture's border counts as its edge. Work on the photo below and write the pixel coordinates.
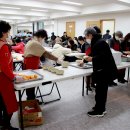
(29, 28)
(49, 29)
(122, 22)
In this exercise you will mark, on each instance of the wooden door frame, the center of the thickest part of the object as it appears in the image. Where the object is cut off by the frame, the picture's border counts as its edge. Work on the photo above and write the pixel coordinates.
(101, 21)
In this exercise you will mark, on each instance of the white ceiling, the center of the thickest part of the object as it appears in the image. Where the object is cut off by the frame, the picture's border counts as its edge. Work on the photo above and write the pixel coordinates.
(20, 11)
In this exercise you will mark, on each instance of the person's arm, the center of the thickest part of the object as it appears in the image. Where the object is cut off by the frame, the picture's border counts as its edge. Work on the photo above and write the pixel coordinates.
(66, 51)
(4, 62)
(48, 55)
(110, 43)
(17, 47)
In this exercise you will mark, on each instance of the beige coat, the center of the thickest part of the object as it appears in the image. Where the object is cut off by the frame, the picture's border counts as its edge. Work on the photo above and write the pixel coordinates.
(33, 48)
(60, 51)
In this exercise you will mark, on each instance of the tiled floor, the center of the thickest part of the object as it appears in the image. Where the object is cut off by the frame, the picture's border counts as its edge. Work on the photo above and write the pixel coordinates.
(70, 112)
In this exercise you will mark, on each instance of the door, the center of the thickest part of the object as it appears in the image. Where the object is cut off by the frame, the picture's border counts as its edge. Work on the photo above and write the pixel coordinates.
(70, 29)
(93, 23)
(108, 24)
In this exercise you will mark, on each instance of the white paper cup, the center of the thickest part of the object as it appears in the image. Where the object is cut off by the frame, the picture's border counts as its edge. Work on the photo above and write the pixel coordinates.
(65, 64)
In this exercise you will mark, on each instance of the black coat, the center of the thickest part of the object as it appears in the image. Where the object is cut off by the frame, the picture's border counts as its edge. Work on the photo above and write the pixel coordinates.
(104, 67)
(106, 36)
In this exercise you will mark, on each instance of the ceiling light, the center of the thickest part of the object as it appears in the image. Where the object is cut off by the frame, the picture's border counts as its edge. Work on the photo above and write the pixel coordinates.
(39, 10)
(72, 3)
(6, 7)
(126, 1)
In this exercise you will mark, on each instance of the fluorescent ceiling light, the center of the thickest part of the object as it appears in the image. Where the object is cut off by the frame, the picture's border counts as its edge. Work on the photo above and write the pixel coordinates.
(39, 10)
(6, 7)
(126, 1)
(72, 3)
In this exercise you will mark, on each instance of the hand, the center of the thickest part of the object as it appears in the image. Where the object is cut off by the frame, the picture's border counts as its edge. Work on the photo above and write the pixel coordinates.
(89, 59)
(81, 63)
(59, 61)
(19, 78)
(123, 55)
(127, 52)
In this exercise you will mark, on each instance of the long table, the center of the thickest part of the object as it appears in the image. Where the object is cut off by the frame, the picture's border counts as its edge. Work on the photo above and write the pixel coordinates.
(17, 60)
(69, 73)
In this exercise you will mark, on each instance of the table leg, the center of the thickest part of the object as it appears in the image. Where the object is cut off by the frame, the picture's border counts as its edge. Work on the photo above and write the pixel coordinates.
(83, 87)
(20, 107)
(128, 74)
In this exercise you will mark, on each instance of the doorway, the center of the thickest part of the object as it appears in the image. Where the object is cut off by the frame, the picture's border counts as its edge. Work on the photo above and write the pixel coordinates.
(108, 24)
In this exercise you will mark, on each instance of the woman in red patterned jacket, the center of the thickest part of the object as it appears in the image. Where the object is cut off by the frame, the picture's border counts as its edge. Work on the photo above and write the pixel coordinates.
(8, 102)
(19, 48)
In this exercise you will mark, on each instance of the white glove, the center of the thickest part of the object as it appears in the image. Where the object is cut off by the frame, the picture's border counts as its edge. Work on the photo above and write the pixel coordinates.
(19, 79)
(59, 61)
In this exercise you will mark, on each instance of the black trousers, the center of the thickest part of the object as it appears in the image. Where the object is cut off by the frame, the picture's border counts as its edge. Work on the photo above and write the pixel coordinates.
(30, 93)
(4, 116)
(101, 96)
(121, 74)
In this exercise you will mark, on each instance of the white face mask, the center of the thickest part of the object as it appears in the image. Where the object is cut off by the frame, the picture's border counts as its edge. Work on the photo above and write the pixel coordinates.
(88, 41)
(117, 38)
(43, 41)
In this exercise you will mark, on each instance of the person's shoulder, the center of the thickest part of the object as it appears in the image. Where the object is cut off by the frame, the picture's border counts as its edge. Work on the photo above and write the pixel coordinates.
(33, 42)
(4, 48)
(104, 35)
(101, 43)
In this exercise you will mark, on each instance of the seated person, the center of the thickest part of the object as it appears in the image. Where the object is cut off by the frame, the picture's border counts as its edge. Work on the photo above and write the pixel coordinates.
(83, 46)
(58, 50)
(72, 45)
(19, 48)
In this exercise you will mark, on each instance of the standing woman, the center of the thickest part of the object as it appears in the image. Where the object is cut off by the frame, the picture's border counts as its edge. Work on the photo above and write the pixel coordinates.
(104, 70)
(125, 44)
(33, 51)
(8, 102)
(115, 43)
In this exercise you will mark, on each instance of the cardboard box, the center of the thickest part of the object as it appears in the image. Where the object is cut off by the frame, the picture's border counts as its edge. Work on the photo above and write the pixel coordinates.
(31, 117)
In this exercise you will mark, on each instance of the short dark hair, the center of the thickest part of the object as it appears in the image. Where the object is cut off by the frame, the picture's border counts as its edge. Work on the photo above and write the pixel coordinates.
(4, 27)
(41, 33)
(18, 40)
(71, 41)
(97, 29)
(107, 31)
(80, 38)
